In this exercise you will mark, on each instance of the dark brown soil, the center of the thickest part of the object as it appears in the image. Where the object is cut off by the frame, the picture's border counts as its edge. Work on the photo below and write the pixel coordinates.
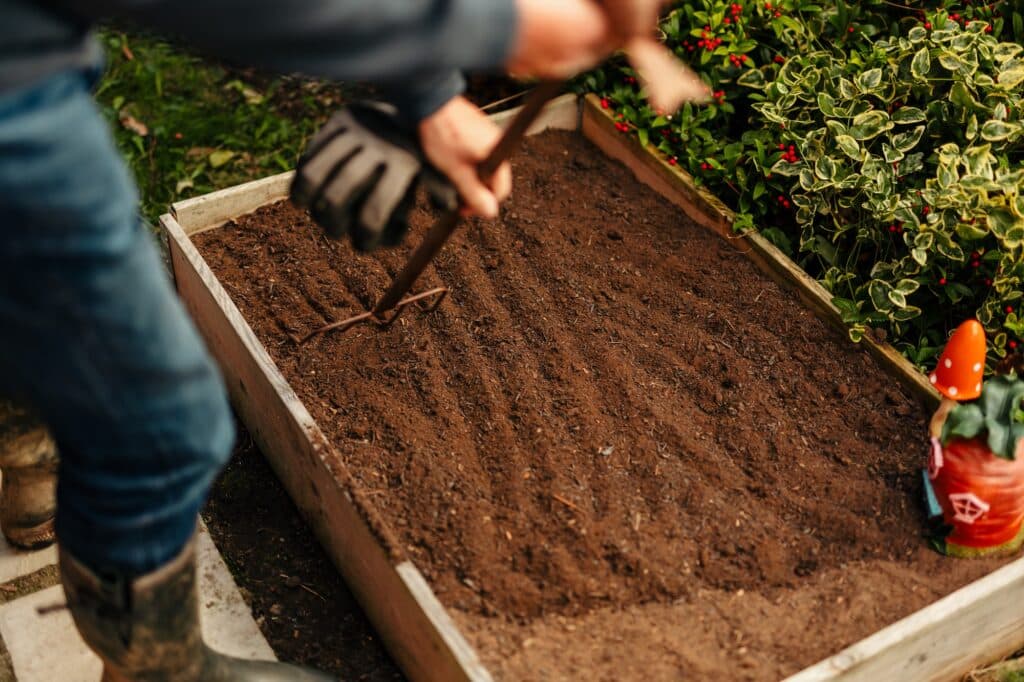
(617, 450)
(297, 596)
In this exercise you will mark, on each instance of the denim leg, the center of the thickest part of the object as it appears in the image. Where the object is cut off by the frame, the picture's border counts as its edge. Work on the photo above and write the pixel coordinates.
(92, 334)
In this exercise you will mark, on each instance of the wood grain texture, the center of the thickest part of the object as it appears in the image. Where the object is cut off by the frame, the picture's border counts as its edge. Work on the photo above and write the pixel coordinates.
(425, 644)
(213, 210)
(708, 211)
(973, 626)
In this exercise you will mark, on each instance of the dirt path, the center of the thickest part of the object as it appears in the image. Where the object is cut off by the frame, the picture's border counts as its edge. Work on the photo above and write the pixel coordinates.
(617, 450)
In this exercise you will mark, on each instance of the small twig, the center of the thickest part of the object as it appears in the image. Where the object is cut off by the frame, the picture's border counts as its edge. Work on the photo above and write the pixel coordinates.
(312, 591)
(567, 502)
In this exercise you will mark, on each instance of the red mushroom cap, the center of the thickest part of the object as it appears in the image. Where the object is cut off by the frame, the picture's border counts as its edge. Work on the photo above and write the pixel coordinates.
(961, 366)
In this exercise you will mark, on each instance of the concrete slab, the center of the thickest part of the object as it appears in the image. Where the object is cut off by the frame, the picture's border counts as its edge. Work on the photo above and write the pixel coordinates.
(15, 563)
(45, 648)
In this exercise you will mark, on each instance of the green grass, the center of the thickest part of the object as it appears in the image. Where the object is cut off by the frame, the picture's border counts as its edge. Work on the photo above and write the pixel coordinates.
(205, 126)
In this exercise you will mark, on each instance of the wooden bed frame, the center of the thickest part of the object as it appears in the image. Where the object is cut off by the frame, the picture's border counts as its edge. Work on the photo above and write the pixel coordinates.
(976, 624)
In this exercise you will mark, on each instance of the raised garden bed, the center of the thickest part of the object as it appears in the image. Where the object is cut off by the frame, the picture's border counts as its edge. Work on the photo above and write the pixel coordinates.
(619, 450)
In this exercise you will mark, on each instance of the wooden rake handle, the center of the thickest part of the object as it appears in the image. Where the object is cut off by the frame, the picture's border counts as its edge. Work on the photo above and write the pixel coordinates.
(449, 220)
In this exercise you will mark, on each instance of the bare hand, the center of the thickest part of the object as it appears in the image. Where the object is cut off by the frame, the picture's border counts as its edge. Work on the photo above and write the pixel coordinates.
(456, 139)
(557, 39)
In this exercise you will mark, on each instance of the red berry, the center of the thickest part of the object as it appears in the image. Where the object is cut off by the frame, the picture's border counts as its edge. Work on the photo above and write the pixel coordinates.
(1012, 344)
(178, 136)
(781, 146)
(1009, 309)
(988, 29)
(604, 104)
(892, 228)
(926, 210)
(850, 30)
(781, 198)
(779, 59)
(942, 281)
(727, 20)
(786, 203)
(975, 264)
(928, 25)
(672, 161)
(778, 14)
(988, 281)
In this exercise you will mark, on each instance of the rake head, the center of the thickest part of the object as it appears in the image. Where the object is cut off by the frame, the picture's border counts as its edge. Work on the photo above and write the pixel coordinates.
(426, 302)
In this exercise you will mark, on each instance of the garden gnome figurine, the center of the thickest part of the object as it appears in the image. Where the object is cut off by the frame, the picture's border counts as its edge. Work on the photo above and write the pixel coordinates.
(958, 376)
(976, 467)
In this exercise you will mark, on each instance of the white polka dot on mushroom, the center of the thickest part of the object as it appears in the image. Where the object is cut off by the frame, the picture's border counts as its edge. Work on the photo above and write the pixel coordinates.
(949, 363)
(977, 388)
(977, 367)
(932, 378)
(953, 390)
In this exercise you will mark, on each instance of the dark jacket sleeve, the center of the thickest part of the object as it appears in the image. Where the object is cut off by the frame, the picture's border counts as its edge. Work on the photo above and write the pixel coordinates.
(414, 47)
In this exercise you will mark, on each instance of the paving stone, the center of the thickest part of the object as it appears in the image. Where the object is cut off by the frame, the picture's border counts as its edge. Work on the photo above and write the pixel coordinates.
(46, 647)
(15, 563)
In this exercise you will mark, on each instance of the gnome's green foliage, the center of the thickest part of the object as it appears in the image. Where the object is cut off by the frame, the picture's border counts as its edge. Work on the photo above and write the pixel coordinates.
(999, 412)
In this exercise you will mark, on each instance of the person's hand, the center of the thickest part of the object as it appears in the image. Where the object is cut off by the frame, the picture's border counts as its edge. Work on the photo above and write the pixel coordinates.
(456, 139)
(557, 40)
(632, 18)
(360, 174)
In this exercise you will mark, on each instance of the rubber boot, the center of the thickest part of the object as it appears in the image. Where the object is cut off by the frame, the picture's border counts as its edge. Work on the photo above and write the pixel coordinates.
(147, 629)
(28, 492)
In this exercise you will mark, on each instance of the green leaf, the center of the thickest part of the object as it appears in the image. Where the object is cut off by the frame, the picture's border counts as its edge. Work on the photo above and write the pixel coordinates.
(220, 157)
(1000, 401)
(1006, 51)
(961, 96)
(908, 115)
(825, 168)
(907, 141)
(869, 124)
(1001, 221)
(995, 131)
(921, 64)
(879, 293)
(869, 80)
(849, 146)
(1011, 74)
(966, 420)
(827, 104)
(644, 136)
(890, 154)
(751, 78)
(907, 286)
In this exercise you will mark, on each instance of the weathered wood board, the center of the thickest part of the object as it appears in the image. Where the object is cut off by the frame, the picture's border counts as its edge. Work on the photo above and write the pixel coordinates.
(978, 623)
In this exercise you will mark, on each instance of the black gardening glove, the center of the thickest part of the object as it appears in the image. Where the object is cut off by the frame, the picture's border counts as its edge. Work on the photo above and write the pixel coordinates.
(360, 174)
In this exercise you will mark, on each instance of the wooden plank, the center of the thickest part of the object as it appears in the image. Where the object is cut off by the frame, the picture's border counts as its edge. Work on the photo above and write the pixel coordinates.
(213, 210)
(561, 113)
(409, 619)
(975, 625)
(708, 211)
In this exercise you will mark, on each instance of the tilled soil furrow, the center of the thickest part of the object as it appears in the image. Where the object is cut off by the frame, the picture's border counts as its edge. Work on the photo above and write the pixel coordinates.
(618, 449)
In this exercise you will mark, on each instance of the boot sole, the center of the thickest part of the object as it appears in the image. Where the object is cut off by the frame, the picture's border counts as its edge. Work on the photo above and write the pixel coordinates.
(34, 538)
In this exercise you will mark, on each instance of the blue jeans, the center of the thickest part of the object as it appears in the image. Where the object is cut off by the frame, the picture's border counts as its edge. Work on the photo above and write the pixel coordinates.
(94, 338)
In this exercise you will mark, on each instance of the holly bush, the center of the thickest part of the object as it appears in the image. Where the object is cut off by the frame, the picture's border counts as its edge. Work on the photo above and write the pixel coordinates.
(878, 144)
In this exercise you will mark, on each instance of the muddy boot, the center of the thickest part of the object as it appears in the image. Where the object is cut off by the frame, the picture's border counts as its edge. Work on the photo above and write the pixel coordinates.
(147, 629)
(28, 462)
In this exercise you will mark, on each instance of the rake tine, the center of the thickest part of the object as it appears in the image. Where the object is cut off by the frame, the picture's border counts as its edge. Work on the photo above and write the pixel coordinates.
(438, 295)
